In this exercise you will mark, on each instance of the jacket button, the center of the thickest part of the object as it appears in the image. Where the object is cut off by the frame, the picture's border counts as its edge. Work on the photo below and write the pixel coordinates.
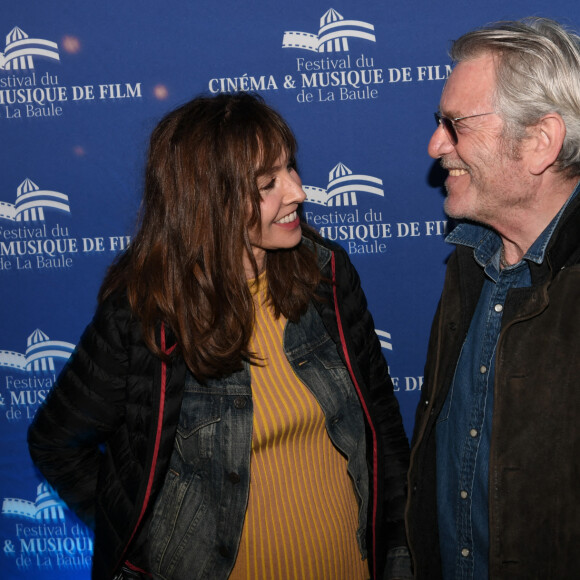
(224, 552)
(234, 477)
(240, 402)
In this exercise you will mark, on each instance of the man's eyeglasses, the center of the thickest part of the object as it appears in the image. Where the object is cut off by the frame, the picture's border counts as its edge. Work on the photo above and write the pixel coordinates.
(448, 124)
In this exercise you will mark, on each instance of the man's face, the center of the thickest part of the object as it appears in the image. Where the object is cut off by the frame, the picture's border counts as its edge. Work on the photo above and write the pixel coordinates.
(485, 180)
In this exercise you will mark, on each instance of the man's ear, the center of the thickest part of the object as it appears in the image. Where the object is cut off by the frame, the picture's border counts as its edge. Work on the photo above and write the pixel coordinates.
(547, 138)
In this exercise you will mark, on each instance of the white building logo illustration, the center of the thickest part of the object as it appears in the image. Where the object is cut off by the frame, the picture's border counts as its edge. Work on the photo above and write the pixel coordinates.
(21, 51)
(40, 354)
(384, 339)
(343, 187)
(332, 36)
(31, 201)
(48, 507)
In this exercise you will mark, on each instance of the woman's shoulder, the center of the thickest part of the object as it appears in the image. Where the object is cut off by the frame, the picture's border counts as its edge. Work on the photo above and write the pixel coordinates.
(114, 320)
(324, 249)
(114, 306)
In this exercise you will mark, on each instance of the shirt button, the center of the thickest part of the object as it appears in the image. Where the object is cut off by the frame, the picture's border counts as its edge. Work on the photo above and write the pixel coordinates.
(239, 402)
(465, 552)
(498, 307)
(473, 432)
(482, 369)
(234, 477)
(463, 495)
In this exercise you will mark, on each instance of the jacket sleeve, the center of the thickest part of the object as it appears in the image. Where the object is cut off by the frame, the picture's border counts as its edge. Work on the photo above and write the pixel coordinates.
(382, 402)
(84, 407)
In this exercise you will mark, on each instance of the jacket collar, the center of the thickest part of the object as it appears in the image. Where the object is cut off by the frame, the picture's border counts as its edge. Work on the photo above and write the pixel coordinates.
(560, 241)
(564, 247)
(323, 253)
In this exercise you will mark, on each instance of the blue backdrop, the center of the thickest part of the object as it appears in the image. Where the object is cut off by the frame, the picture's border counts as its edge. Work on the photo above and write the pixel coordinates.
(81, 87)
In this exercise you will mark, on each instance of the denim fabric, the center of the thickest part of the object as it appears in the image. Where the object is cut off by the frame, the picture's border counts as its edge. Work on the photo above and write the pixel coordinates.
(196, 526)
(464, 434)
(198, 516)
(464, 425)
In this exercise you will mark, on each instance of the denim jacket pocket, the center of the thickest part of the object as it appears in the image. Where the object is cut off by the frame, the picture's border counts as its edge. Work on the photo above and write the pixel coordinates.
(186, 520)
(183, 501)
(196, 431)
(170, 535)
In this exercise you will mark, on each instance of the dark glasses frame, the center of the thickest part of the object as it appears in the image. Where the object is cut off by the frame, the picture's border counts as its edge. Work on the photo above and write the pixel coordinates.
(448, 124)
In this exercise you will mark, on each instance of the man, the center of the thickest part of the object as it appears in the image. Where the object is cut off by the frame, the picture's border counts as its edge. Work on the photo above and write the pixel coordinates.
(494, 482)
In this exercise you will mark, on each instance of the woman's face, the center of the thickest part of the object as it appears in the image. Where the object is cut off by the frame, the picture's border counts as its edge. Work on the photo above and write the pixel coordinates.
(279, 227)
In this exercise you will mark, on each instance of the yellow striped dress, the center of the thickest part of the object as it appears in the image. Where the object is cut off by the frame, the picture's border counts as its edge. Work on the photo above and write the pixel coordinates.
(302, 513)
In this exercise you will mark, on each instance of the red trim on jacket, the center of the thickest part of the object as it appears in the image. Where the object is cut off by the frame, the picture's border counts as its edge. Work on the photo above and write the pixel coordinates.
(157, 442)
(136, 568)
(366, 411)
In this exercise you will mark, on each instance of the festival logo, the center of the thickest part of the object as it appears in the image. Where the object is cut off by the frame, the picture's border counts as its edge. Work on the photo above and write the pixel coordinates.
(42, 538)
(343, 186)
(341, 219)
(30, 375)
(47, 508)
(401, 384)
(339, 215)
(332, 36)
(332, 73)
(29, 243)
(26, 93)
(31, 201)
(21, 50)
(384, 339)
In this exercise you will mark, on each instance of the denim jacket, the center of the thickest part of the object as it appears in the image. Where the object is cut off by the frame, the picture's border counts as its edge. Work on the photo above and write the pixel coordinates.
(106, 436)
(209, 472)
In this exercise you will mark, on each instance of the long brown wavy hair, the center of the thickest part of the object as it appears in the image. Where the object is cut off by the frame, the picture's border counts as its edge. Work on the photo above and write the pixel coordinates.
(184, 266)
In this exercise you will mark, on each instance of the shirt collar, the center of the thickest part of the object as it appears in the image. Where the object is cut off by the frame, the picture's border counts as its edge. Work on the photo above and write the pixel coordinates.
(486, 242)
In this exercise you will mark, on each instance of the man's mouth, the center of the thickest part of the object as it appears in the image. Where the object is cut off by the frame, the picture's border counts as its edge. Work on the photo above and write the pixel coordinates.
(289, 218)
(457, 172)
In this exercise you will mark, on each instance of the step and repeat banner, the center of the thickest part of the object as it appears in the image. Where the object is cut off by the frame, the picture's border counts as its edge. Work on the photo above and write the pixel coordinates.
(81, 87)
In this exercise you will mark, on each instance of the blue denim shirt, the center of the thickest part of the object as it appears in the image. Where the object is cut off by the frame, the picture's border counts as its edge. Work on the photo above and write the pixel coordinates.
(465, 422)
(204, 498)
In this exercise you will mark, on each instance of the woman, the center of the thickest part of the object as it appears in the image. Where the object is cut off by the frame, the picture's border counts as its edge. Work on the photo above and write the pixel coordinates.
(228, 412)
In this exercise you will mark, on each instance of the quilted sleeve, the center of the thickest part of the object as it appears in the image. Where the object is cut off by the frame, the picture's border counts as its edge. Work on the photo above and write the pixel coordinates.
(84, 407)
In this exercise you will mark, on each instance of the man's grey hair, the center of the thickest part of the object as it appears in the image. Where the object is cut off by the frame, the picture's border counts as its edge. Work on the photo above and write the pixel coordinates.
(537, 72)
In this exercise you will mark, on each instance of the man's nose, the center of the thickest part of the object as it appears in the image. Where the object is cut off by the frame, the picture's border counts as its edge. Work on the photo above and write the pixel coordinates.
(439, 144)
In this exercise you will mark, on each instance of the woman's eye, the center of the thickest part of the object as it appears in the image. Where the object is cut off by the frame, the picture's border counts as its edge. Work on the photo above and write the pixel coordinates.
(269, 185)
